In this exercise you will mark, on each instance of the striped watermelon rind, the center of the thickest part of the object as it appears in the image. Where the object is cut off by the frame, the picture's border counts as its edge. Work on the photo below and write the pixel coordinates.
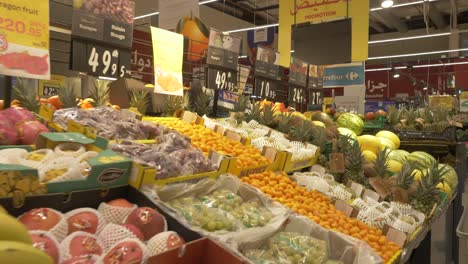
(421, 159)
(352, 122)
(450, 176)
(398, 155)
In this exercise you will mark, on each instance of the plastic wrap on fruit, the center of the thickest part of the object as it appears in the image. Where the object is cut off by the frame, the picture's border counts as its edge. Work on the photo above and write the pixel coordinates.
(194, 160)
(298, 248)
(128, 130)
(151, 130)
(198, 214)
(171, 142)
(165, 166)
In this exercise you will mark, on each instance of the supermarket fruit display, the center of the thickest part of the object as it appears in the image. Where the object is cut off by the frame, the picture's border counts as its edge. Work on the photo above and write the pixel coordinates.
(19, 126)
(206, 139)
(172, 156)
(97, 236)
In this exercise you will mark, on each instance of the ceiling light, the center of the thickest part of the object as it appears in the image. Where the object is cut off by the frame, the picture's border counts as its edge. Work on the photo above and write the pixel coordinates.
(425, 88)
(404, 4)
(396, 75)
(252, 28)
(242, 56)
(107, 78)
(416, 54)
(419, 66)
(386, 3)
(409, 38)
(157, 13)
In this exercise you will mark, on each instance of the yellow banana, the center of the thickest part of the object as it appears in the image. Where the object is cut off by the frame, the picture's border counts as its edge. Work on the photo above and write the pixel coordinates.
(13, 252)
(13, 230)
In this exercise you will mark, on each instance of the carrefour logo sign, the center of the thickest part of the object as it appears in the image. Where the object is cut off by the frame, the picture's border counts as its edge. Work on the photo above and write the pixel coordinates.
(344, 75)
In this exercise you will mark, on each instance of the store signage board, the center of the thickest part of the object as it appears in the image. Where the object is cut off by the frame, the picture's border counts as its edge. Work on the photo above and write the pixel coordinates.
(24, 39)
(223, 50)
(298, 72)
(48, 88)
(315, 84)
(142, 57)
(168, 52)
(344, 75)
(222, 79)
(172, 11)
(267, 63)
(102, 34)
(269, 89)
(350, 103)
(227, 99)
(444, 101)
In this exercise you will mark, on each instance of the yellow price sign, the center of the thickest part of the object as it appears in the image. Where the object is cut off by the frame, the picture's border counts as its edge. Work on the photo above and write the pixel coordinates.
(24, 38)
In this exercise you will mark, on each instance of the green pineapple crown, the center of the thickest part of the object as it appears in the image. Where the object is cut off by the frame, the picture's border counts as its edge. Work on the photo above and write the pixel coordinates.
(242, 103)
(100, 93)
(67, 95)
(140, 100)
(254, 113)
(268, 115)
(405, 178)
(381, 163)
(27, 96)
(201, 103)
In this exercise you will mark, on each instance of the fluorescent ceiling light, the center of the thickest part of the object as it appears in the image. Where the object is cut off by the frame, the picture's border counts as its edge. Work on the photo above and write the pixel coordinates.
(419, 66)
(157, 13)
(252, 28)
(147, 15)
(242, 56)
(408, 38)
(416, 54)
(396, 75)
(425, 88)
(404, 4)
(386, 3)
(107, 78)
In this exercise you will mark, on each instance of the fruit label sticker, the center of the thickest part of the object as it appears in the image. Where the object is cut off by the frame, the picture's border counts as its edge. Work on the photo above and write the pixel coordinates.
(168, 51)
(24, 38)
(346, 208)
(337, 163)
(380, 186)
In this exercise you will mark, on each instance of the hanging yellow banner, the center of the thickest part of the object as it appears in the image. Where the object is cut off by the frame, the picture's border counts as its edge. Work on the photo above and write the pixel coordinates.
(319, 11)
(24, 38)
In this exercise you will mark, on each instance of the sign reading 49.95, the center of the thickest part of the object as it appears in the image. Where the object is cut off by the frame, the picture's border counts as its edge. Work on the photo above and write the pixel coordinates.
(105, 62)
(222, 79)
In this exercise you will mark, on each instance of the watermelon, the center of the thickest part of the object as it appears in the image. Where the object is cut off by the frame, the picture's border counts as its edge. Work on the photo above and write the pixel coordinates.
(398, 155)
(368, 142)
(421, 159)
(450, 177)
(390, 136)
(352, 122)
(346, 132)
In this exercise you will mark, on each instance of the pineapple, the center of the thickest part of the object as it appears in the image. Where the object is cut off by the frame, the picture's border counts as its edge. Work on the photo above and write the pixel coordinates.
(100, 93)
(393, 116)
(140, 100)
(27, 97)
(67, 96)
(201, 103)
(254, 113)
(354, 160)
(302, 132)
(284, 122)
(405, 178)
(242, 103)
(381, 163)
(411, 119)
(268, 115)
(427, 193)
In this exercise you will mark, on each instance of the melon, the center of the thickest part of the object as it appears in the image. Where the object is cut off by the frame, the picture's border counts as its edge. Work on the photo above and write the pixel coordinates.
(394, 166)
(421, 159)
(322, 117)
(319, 124)
(370, 143)
(346, 132)
(390, 136)
(417, 174)
(450, 177)
(444, 187)
(369, 156)
(386, 144)
(351, 121)
(398, 155)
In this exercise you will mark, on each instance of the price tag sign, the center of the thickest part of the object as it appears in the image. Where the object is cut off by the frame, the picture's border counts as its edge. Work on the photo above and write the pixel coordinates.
(316, 97)
(100, 61)
(266, 88)
(297, 95)
(222, 79)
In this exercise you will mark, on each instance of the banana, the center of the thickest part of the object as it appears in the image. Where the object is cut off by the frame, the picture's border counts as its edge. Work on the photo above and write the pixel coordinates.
(3, 192)
(11, 179)
(24, 184)
(13, 230)
(18, 198)
(13, 252)
(35, 184)
(2, 210)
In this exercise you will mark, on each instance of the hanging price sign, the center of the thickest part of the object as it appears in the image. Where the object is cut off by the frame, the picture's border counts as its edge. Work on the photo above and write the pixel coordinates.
(269, 89)
(316, 97)
(222, 79)
(297, 95)
(100, 61)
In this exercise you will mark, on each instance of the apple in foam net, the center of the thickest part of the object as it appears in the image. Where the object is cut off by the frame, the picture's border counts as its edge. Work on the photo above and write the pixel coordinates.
(127, 252)
(135, 230)
(88, 259)
(120, 203)
(47, 245)
(84, 245)
(40, 219)
(148, 220)
(84, 221)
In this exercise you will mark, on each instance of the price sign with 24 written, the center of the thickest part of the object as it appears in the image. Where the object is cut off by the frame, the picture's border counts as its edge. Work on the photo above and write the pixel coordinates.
(297, 95)
(222, 79)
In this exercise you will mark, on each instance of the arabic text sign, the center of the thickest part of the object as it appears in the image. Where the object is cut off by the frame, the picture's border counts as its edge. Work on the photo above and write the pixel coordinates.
(24, 38)
(142, 57)
(168, 51)
(318, 11)
(343, 75)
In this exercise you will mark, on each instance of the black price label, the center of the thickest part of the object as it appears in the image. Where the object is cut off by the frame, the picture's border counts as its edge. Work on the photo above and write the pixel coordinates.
(297, 95)
(316, 97)
(222, 79)
(265, 88)
(100, 61)
(49, 91)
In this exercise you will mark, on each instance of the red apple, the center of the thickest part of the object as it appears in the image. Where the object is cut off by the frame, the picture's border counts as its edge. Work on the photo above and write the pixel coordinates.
(380, 113)
(127, 252)
(45, 243)
(135, 230)
(370, 116)
(148, 220)
(84, 221)
(89, 259)
(174, 241)
(120, 203)
(84, 245)
(40, 219)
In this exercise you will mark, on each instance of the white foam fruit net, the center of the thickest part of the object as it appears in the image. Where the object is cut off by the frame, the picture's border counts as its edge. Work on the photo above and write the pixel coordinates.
(113, 234)
(159, 243)
(65, 246)
(137, 241)
(323, 183)
(114, 214)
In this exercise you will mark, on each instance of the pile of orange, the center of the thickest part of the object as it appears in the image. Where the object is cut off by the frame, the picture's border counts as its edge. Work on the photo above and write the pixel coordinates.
(318, 207)
(206, 139)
